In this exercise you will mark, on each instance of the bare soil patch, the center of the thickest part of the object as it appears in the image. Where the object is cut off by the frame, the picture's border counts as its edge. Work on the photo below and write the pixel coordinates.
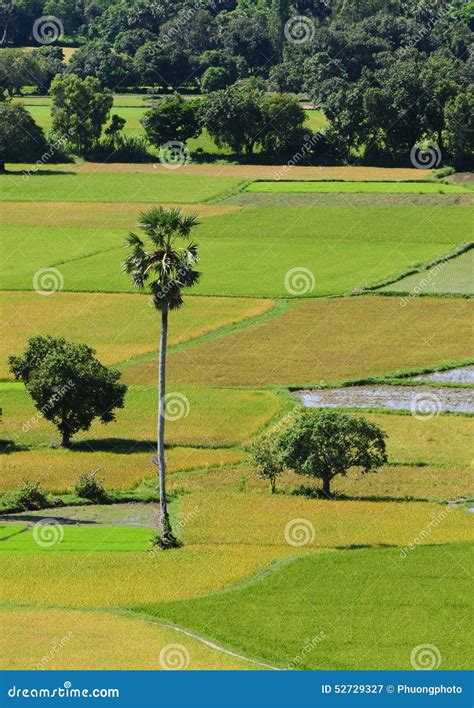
(262, 171)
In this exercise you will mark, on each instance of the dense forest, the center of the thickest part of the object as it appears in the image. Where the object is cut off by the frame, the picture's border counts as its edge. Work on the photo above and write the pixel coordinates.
(386, 73)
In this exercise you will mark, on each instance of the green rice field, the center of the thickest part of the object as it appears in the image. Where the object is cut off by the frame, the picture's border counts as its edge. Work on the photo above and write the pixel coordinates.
(283, 303)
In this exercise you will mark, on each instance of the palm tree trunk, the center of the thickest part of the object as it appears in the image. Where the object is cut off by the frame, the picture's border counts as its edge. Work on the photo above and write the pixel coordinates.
(164, 519)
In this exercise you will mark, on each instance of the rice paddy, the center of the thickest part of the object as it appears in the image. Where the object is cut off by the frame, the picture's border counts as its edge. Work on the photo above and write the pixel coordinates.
(359, 187)
(327, 340)
(448, 277)
(279, 306)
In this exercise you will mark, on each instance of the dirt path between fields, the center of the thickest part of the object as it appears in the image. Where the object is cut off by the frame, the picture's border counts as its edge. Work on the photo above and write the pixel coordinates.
(268, 172)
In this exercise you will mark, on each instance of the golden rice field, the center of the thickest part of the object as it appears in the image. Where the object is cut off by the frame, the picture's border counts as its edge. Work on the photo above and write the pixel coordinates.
(228, 538)
(58, 470)
(56, 639)
(260, 520)
(231, 362)
(125, 579)
(327, 340)
(203, 418)
(94, 214)
(442, 440)
(392, 482)
(118, 326)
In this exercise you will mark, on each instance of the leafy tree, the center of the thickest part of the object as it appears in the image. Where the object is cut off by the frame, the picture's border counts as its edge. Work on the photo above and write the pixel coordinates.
(441, 78)
(283, 118)
(70, 12)
(266, 457)
(324, 444)
(17, 18)
(98, 59)
(80, 108)
(244, 33)
(278, 15)
(49, 61)
(459, 120)
(172, 118)
(21, 140)
(69, 386)
(130, 41)
(215, 78)
(169, 66)
(167, 269)
(17, 69)
(124, 15)
(394, 103)
(234, 117)
(285, 77)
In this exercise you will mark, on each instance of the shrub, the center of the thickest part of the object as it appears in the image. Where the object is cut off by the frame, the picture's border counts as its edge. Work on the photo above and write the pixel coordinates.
(29, 497)
(121, 148)
(91, 487)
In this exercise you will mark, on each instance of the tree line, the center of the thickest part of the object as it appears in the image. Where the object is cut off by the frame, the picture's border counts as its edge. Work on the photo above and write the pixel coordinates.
(387, 74)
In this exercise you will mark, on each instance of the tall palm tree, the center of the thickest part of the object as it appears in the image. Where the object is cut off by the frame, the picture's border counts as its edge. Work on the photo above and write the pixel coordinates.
(166, 268)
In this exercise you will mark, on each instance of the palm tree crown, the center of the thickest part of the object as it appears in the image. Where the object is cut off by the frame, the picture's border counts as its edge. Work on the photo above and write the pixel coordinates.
(167, 267)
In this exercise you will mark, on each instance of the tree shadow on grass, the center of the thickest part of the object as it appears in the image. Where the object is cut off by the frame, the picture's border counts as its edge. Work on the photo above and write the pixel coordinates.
(27, 518)
(34, 172)
(9, 446)
(123, 446)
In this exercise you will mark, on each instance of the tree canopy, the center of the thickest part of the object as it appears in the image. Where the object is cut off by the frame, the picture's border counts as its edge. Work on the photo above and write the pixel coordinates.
(323, 444)
(69, 386)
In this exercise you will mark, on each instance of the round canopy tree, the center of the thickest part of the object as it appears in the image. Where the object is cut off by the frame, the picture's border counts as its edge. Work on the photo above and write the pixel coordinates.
(324, 444)
(21, 140)
(69, 386)
(172, 118)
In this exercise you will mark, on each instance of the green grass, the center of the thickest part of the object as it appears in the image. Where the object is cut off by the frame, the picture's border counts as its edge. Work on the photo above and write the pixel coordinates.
(132, 107)
(113, 187)
(246, 253)
(369, 607)
(452, 277)
(20, 539)
(359, 187)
